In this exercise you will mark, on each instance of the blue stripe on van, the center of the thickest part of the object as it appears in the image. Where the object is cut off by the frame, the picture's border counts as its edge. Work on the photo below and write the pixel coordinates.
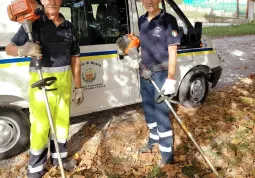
(14, 60)
(27, 59)
(98, 53)
(194, 50)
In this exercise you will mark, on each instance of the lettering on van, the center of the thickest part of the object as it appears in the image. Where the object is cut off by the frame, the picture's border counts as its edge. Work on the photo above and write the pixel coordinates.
(93, 63)
(96, 86)
(92, 75)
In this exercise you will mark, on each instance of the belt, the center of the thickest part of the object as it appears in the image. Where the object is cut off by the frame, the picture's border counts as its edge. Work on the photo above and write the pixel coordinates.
(160, 67)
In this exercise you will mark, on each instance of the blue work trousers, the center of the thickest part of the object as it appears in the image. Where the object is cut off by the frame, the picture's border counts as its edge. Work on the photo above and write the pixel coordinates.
(157, 116)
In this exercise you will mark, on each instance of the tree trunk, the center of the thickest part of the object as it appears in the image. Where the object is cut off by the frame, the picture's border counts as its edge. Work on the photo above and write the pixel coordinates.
(247, 9)
(237, 9)
(251, 11)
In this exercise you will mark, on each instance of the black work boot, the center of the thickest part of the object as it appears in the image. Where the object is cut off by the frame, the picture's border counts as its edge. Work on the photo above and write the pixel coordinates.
(146, 148)
(68, 165)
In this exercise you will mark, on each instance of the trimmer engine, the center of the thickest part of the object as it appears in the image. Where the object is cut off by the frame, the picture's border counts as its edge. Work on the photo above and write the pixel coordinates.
(129, 44)
(25, 12)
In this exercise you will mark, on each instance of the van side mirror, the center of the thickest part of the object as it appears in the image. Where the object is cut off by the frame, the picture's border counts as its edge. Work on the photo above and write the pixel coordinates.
(198, 30)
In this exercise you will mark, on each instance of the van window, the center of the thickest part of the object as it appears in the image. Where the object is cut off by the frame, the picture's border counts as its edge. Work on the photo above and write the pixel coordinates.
(182, 27)
(181, 24)
(7, 27)
(98, 21)
(66, 11)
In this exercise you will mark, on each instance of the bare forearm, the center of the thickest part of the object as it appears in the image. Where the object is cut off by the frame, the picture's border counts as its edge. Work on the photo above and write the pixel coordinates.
(11, 50)
(76, 70)
(172, 61)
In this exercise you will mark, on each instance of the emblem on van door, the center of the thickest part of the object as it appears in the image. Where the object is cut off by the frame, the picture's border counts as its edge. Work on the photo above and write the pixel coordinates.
(92, 75)
(157, 31)
(89, 75)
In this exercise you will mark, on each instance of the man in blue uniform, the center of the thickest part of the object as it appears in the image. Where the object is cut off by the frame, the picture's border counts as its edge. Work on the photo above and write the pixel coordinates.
(159, 41)
(60, 52)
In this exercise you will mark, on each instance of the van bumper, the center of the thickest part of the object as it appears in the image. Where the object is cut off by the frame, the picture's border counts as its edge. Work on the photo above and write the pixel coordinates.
(215, 76)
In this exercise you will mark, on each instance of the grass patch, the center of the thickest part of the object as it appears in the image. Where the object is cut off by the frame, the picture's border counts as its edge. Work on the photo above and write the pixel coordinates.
(233, 30)
(211, 131)
(213, 154)
(113, 176)
(242, 133)
(233, 147)
(183, 149)
(239, 114)
(252, 173)
(117, 160)
(156, 173)
(230, 119)
(244, 146)
(209, 16)
(190, 171)
(247, 100)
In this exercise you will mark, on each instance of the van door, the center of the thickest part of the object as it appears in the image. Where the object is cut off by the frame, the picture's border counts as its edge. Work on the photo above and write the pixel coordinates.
(99, 23)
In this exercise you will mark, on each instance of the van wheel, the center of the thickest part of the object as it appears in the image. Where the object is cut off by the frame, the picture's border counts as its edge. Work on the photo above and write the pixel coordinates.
(193, 89)
(14, 131)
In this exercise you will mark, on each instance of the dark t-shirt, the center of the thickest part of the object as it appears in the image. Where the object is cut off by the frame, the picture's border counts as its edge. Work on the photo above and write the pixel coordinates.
(58, 44)
(156, 36)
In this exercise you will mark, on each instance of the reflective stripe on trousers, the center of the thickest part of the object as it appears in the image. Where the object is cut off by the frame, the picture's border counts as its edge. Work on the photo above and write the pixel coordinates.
(59, 101)
(157, 116)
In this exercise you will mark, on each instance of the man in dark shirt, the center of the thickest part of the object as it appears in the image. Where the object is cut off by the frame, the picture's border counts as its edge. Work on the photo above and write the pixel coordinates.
(59, 52)
(159, 40)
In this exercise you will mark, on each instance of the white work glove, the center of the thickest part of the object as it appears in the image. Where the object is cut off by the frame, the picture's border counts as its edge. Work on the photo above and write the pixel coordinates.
(134, 64)
(30, 49)
(144, 72)
(78, 96)
(169, 87)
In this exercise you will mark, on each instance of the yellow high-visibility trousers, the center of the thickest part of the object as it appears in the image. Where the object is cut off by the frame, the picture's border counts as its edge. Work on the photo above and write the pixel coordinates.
(59, 102)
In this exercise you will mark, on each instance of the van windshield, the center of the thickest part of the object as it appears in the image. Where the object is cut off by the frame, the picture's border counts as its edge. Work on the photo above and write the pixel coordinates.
(7, 27)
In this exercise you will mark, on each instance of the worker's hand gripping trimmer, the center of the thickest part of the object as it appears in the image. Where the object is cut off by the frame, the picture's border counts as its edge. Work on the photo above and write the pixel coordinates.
(128, 45)
(26, 12)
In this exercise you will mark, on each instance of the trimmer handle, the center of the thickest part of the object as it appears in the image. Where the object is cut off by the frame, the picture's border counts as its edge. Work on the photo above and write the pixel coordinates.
(145, 72)
(161, 97)
(45, 82)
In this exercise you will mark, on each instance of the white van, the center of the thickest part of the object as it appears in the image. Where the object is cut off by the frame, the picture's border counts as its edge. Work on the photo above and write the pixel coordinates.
(108, 82)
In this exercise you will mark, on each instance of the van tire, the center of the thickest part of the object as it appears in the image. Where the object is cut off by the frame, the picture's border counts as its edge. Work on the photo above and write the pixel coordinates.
(15, 124)
(194, 80)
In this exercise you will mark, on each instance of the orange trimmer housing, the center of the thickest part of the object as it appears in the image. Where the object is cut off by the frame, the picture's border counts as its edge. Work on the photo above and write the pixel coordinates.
(134, 42)
(21, 10)
(129, 45)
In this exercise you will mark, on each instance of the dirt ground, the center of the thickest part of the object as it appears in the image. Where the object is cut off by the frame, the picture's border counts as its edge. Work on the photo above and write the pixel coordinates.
(107, 143)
